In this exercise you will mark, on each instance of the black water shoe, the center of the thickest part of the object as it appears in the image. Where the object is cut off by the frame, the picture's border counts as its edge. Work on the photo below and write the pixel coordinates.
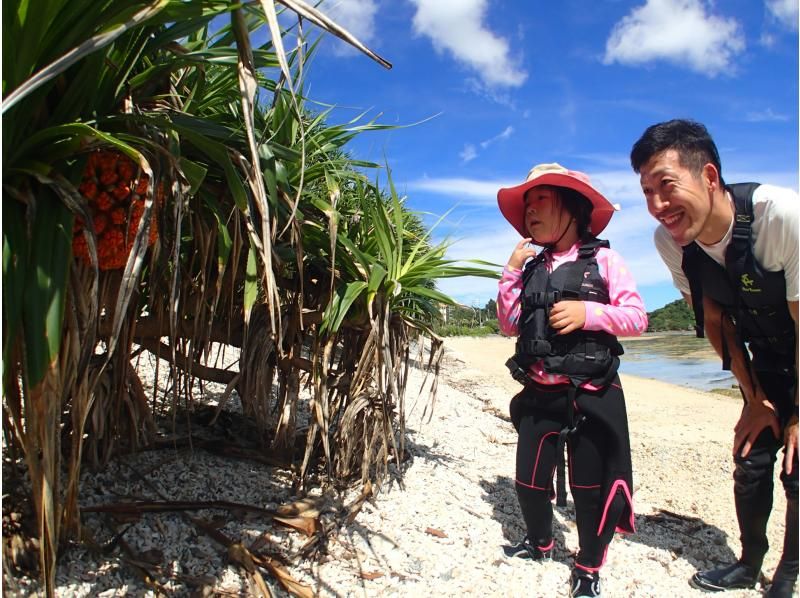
(527, 550)
(733, 577)
(583, 583)
(781, 588)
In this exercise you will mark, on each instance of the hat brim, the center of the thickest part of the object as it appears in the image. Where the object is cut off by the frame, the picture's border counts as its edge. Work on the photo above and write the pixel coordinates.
(512, 201)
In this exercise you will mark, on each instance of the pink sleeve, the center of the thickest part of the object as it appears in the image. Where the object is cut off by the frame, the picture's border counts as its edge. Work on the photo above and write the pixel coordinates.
(508, 301)
(625, 314)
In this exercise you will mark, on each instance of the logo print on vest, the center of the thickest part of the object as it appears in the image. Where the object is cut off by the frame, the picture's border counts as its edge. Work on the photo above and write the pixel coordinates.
(747, 284)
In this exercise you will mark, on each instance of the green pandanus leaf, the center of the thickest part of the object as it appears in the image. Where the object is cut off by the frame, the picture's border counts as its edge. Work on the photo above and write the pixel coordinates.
(37, 265)
(123, 22)
(250, 283)
(15, 260)
(340, 304)
(224, 241)
(45, 284)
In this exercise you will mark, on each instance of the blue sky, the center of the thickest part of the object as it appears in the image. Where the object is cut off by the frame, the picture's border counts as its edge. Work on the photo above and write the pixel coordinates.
(506, 84)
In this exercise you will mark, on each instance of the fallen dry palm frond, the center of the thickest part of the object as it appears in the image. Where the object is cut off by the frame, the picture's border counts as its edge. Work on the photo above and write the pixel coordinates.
(305, 524)
(140, 507)
(240, 554)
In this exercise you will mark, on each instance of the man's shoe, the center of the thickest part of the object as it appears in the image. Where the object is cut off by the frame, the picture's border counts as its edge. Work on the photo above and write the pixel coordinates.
(527, 550)
(733, 577)
(781, 588)
(583, 583)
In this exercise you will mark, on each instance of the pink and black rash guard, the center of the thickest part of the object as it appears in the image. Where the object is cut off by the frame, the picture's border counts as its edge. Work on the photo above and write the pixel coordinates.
(624, 315)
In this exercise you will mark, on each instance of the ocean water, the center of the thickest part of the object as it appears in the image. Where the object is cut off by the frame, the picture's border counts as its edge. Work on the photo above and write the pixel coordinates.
(677, 358)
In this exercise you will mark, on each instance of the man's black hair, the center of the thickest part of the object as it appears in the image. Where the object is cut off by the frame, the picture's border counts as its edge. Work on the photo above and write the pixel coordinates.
(690, 139)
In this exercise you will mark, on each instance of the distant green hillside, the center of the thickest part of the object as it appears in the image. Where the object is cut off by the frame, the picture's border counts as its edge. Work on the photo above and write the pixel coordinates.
(673, 316)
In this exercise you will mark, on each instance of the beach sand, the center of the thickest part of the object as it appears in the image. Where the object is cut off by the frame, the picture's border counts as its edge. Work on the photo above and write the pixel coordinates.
(442, 533)
(461, 484)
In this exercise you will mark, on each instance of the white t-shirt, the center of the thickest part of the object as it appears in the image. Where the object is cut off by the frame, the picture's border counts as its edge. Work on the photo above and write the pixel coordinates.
(776, 213)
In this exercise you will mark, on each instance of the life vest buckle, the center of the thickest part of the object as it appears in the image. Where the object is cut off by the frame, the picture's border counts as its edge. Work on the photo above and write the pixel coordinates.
(517, 372)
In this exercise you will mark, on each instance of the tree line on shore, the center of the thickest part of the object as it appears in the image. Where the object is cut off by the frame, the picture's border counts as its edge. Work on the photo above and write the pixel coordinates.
(463, 320)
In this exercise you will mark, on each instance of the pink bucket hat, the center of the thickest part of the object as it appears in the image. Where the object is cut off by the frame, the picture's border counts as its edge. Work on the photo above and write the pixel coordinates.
(512, 199)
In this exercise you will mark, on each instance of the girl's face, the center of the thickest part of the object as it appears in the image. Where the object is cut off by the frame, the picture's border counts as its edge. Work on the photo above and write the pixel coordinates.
(545, 217)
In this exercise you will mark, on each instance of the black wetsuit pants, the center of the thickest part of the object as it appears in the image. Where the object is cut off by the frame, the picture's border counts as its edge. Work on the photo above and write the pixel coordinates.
(753, 482)
(539, 415)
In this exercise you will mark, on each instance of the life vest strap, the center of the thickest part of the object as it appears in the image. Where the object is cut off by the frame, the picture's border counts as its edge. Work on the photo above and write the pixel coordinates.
(570, 427)
(537, 347)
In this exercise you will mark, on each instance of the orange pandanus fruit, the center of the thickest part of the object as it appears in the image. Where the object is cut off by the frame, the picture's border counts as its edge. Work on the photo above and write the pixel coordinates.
(115, 190)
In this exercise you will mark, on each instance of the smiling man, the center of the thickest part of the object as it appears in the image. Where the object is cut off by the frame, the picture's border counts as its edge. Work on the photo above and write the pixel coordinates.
(733, 253)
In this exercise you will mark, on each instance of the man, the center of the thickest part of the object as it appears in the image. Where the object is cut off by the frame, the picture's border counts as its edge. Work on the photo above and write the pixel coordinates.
(733, 254)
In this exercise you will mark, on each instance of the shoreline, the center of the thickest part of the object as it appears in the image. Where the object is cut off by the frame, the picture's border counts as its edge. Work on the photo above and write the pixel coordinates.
(697, 363)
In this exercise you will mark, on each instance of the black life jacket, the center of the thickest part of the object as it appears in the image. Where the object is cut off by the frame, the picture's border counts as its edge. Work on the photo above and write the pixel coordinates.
(582, 355)
(753, 297)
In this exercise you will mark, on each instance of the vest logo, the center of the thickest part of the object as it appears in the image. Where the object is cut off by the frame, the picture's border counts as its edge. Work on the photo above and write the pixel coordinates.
(747, 284)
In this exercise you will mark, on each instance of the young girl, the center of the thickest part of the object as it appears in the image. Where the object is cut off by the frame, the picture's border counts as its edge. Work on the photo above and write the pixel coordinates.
(566, 306)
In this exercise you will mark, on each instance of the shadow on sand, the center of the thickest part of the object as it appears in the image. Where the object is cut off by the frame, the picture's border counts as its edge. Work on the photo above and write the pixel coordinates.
(687, 537)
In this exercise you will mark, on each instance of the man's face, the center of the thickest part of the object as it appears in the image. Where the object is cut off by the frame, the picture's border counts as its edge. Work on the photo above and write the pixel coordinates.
(677, 198)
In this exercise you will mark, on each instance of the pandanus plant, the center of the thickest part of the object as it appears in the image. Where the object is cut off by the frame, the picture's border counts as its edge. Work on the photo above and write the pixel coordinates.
(158, 184)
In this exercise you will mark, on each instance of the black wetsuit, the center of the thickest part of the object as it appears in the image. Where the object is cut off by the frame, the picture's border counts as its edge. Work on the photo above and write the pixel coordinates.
(599, 465)
(592, 423)
(755, 299)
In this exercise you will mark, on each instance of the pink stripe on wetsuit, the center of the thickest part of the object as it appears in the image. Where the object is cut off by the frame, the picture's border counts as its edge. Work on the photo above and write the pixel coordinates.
(623, 316)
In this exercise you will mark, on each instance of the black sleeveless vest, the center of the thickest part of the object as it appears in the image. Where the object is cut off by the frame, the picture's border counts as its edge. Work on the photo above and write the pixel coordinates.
(754, 298)
(582, 355)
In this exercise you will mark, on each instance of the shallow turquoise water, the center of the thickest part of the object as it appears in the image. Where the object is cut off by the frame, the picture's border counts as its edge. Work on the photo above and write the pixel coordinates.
(679, 359)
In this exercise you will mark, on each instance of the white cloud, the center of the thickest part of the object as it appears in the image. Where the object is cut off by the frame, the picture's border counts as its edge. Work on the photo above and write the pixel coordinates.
(457, 27)
(779, 178)
(461, 189)
(357, 16)
(492, 245)
(504, 134)
(619, 186)
(784, 11)
(765, 116)
(678, 31)
(468, 153)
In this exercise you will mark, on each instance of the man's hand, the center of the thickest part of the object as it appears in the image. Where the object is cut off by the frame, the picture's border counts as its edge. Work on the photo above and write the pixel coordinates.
(568, 316)
(790, 444)
(521, 253)
(756, 415)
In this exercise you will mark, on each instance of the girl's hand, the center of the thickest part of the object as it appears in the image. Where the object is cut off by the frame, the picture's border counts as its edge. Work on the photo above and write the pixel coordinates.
(568, 316)
(521, 253)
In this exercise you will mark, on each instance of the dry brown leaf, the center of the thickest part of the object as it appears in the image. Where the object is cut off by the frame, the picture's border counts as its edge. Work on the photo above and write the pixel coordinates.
(289, 583)
(308, 507)
(435, 532)
(305, 525)
(257, 579)
(370, 575)
(239, 554)
(355, 507)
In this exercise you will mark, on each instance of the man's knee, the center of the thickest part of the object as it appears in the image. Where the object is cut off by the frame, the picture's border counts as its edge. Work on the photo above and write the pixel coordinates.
(753, 472)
